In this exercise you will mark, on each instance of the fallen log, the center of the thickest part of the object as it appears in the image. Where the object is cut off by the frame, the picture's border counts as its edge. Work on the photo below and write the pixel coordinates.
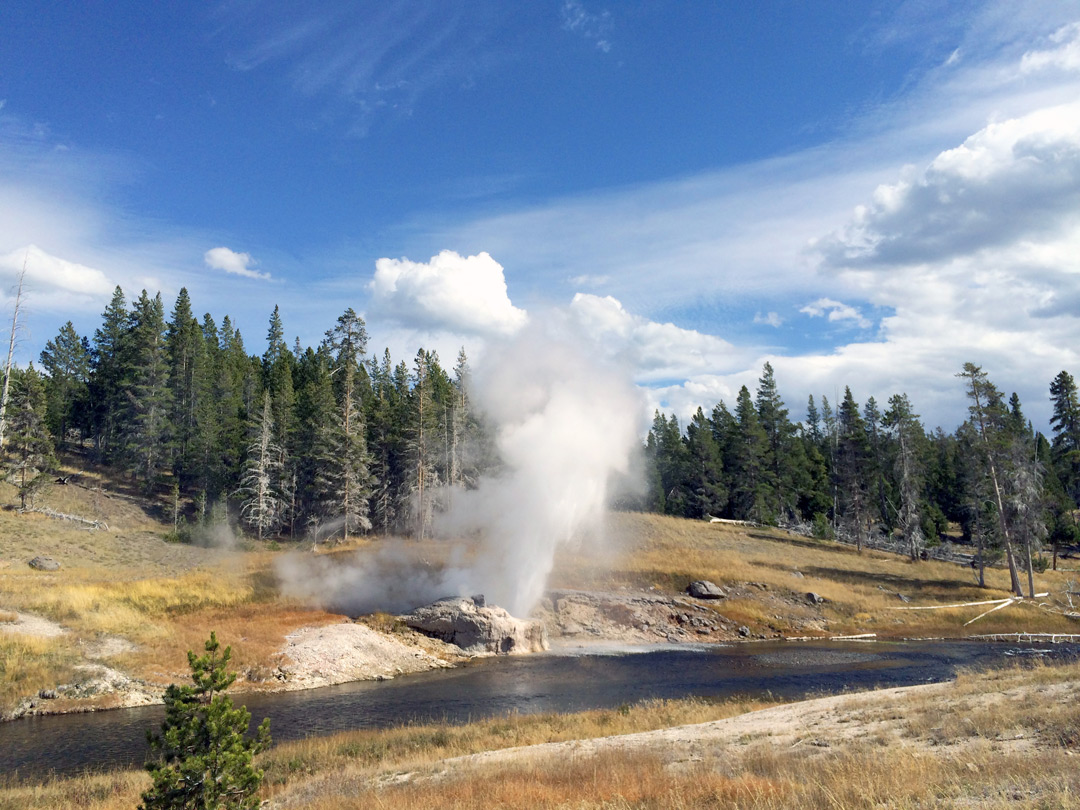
(52, 513)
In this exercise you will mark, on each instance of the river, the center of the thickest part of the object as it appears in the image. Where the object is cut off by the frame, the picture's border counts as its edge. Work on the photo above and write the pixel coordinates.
(561, 681)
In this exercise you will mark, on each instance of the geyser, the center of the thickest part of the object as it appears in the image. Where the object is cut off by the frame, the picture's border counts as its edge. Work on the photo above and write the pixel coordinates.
(566, 423)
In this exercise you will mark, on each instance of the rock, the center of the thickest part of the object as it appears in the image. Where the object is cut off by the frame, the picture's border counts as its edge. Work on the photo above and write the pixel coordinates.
(47, 694)
(814, 598)
(744, 631)
(703, 589)
(797, 574)
(41, 563)
(477, 628)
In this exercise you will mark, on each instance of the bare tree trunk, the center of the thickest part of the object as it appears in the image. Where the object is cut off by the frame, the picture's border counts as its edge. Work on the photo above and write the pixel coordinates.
(1014, 577)
(11, 352)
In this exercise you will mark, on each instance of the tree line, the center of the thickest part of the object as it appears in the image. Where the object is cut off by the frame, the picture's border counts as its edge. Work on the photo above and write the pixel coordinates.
(327, 441)
(316, 442)
(871, 473)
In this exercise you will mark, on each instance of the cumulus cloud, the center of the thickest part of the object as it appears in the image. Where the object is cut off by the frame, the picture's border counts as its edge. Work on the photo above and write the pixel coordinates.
(238, 264)
(464, 294)
(53, 273)
(835, 312)
(768, 319)
(658, 351)
(1014, 179)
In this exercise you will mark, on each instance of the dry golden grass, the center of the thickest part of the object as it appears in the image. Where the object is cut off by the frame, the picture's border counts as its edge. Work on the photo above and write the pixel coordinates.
(861, 590)
(26, 663)
(413, 746)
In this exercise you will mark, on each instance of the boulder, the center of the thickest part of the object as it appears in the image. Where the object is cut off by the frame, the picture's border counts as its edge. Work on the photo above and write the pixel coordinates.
(703, 589)
(44, 564)
(477, 627)
(814, 598)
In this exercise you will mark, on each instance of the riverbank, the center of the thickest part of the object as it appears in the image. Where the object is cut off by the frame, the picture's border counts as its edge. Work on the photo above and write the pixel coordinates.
(1000, 739)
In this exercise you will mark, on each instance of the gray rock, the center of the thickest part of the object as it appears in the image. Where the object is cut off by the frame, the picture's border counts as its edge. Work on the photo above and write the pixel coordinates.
(44, 564)
(703, 589)
(744, 631)
(477, 628)
(814, 598)
(903, 598)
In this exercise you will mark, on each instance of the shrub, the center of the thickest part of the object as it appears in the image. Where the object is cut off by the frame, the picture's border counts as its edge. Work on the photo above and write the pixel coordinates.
(204, 758)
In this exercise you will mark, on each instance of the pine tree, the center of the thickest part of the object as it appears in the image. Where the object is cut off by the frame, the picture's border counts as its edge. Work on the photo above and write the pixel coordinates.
(752, 494)
(347, 479)
(28, 446)
(148, 426)
(988, 419)
(1065, 422)
(185, 348)
(66, 360)
(204, 758)
(107, 400)
(906, 430)
(780, 469)
(708, 497)
(850, 471)
(422, 446)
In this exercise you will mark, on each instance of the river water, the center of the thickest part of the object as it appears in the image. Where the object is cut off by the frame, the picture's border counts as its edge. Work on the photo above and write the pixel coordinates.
(562, 681)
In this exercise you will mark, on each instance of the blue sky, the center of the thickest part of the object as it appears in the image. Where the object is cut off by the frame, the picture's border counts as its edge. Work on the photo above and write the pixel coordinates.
(864, 194)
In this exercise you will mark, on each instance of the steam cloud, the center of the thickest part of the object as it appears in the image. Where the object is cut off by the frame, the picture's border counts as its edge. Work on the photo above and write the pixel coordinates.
(566, 425)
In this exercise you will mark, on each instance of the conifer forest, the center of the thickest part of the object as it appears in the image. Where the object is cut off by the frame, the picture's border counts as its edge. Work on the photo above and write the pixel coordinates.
(322, 443)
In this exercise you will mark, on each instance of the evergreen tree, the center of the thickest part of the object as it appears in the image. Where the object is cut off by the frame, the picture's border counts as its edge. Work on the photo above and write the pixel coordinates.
(66, 360)
(906, 430)
(1065, 422)
(28, 446)
(705, 468)
(780, 468)
(107, 400)
(988, 419)
(204, 760)
(148, 425)
(188, 385)
(850, 471)
(385, 425)
(347, 479)
(422, 446)
(813, 421)
(751, 492)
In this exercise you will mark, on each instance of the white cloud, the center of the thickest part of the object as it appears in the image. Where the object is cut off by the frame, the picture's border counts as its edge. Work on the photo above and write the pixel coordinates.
(1066, 56)
(656, 351)
(52, 283)
(238, 264)
(835, 312)
(1014, 179)
(768, 319)
(450, 292)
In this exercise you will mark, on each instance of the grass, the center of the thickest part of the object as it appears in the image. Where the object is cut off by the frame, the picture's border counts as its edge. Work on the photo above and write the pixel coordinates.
(28, 662)
(771, 572)
(938, 760)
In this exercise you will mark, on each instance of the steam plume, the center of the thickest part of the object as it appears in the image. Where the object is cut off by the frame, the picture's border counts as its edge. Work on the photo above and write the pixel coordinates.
(566, 423)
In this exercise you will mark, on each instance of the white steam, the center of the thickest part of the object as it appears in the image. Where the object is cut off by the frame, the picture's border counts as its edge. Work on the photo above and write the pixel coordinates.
(566, 426)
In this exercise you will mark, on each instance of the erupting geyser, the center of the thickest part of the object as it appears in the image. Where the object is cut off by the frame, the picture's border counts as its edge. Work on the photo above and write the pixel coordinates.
(566, 424)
